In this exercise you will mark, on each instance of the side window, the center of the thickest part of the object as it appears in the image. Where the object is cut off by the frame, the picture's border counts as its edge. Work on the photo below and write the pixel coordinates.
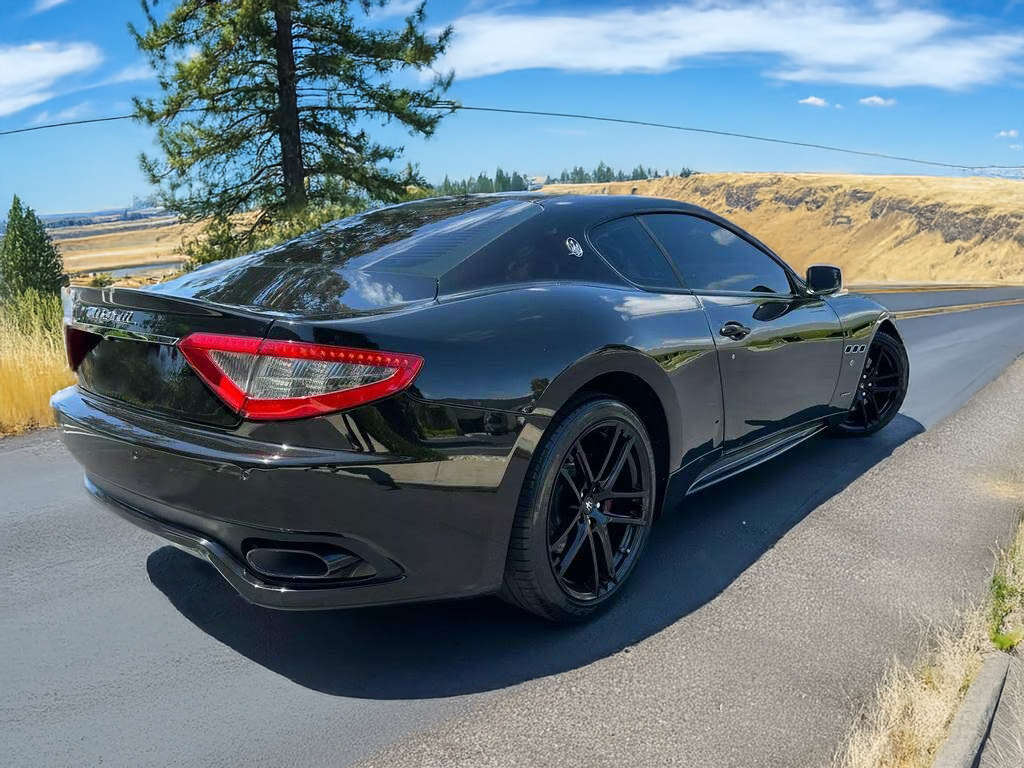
(711, 258)
(627, 247)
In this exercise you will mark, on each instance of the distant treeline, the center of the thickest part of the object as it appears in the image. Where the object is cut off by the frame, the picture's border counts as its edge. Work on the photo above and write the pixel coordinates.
(605, 173)
(518, 182)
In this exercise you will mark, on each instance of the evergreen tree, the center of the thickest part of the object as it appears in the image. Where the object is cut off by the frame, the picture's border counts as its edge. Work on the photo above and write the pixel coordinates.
(603, 173)
(484, 183)
(502, 183)
(517, 183)
(28, 258)
(264, 105)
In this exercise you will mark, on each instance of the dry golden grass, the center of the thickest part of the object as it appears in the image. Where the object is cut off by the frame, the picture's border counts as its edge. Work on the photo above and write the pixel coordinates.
(877, 228)
(106, 246)
(914, 707)
(32, 363)
(1006, 618)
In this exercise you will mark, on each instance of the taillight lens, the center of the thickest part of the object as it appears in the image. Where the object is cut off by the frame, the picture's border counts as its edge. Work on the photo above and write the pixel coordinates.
(268, 380)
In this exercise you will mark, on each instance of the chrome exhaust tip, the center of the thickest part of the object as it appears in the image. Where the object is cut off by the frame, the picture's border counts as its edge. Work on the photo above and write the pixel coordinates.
(287, 563)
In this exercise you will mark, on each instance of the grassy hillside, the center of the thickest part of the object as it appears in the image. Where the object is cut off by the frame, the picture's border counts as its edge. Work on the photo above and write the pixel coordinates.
(111, 245)
(877, 228)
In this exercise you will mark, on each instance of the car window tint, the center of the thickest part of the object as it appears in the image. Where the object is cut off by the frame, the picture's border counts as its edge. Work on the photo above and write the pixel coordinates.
(628, 247)
(711, 258)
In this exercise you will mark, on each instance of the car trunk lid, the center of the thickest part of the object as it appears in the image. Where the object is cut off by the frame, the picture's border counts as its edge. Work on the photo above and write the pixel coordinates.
(123, 346)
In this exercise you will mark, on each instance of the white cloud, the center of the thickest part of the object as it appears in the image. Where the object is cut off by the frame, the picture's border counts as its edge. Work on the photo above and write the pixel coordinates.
(1015, 146)
(878, 101)
(28, 72)
(839, 106)
(131, 74)
(1012, 134)
(814, 101)
(880, 44)
(71, 113)
(396, 8)
(45, 5)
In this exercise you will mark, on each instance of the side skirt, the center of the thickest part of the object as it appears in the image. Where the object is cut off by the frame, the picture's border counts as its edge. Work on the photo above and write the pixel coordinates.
(731, 465)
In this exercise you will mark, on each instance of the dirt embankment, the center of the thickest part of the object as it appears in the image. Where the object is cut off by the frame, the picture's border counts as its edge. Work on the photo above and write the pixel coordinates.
(100, 247)
(877, 228)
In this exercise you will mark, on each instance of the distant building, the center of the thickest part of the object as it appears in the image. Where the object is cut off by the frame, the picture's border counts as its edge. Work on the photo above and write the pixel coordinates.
(535, 182)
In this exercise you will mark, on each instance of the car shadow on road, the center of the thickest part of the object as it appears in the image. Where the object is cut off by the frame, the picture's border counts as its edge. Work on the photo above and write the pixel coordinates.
(453, 648)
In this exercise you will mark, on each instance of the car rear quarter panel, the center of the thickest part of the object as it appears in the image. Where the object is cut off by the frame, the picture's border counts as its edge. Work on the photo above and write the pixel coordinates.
(528, 350)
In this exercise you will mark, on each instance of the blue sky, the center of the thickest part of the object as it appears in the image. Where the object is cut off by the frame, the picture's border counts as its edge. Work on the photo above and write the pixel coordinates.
(936, 80)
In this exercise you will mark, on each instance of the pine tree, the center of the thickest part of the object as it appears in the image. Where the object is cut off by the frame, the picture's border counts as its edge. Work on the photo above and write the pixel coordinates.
(265, 104)
(28, 258)
(517, 183)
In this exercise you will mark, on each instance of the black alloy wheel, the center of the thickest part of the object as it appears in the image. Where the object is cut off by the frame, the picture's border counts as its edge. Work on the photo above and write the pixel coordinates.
(881, 389)
(599, 510)
(584, 515)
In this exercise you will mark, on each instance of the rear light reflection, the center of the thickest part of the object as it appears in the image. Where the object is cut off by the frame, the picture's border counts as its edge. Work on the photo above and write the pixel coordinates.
(78, 344)
(271, 380)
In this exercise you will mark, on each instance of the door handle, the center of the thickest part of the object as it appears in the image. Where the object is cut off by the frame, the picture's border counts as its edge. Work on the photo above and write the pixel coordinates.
(734, 330)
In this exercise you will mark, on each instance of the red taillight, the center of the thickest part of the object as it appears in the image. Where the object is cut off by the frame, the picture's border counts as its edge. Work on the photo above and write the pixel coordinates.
(266, 380)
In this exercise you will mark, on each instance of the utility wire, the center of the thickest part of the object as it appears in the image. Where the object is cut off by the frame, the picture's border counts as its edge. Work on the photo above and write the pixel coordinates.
(624, 121)
(738, 136)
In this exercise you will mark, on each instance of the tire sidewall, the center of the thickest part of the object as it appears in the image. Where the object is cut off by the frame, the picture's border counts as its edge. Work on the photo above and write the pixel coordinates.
(550, 461)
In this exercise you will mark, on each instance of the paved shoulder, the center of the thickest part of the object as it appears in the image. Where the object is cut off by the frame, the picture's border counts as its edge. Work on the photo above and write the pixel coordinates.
(773, 671)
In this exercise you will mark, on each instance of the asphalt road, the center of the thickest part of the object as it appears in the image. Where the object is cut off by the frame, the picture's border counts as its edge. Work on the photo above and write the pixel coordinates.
(758, 623)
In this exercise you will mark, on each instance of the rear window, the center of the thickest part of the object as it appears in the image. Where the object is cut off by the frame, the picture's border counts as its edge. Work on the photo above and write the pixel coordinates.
(426, 238)
(374, 261)
(627, 247)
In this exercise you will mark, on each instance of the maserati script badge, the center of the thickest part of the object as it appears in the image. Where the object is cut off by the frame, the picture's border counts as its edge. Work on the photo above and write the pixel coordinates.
(103, 314)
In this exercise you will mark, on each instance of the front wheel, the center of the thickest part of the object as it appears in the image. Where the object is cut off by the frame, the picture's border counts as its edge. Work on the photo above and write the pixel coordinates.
(584, 513)
(881, 389)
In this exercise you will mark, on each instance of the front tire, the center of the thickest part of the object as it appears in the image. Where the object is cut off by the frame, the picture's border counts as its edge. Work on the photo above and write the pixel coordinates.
(584, 513)
(881, 390)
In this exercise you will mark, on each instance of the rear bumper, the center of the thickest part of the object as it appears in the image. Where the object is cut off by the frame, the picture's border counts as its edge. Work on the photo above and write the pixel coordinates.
(433, 526)
(246, 582)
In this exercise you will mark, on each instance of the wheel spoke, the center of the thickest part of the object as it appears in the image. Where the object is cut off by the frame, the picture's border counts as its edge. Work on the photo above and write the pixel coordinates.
(620, 462)
(624, 519)
(885, 377)
(882, 390)
(600, 532)
(869, 406)
(573, 549)
(563, 537)
(583, 463)
(862, 407)
(623, 495)
(593, 558)
(564, 473)
(611, 451)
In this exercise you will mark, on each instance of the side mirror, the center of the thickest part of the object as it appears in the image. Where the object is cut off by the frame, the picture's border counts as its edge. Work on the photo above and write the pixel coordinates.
(824, 279)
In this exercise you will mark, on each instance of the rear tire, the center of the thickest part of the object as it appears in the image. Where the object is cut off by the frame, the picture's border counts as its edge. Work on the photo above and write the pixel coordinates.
(881, 389)
(584, 513)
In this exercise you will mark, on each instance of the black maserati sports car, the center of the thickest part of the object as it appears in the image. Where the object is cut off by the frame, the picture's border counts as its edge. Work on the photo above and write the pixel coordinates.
(462, 396)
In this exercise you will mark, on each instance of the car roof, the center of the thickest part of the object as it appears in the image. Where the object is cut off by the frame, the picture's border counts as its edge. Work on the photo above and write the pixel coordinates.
(607, 205)
(596, 205)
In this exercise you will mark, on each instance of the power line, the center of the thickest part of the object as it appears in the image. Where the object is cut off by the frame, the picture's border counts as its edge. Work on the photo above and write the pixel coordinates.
(621, 120)
(741, 136)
